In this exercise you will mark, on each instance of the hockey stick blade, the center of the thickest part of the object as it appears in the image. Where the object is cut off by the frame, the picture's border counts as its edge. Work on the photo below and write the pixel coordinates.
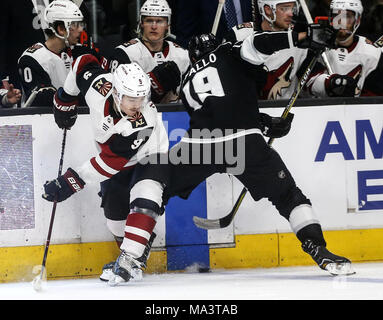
(39, 282)
(223, 222)
(207, 224)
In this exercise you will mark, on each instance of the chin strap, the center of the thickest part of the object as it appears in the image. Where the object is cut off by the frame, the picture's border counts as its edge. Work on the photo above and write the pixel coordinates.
(65, 38)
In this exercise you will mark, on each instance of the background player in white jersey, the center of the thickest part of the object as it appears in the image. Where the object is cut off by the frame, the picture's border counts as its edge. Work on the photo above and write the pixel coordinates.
(358, 64)
(283, 50)
(128, 132)
(45, 65)
(163, 60)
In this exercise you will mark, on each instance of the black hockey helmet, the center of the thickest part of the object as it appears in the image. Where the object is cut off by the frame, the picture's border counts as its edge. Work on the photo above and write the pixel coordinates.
(201, 45)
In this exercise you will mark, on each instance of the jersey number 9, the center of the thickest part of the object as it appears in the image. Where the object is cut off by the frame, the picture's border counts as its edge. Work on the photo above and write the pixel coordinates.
(205, 83)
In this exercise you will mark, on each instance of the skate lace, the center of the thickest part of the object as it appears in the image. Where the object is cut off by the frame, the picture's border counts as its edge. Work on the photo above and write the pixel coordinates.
(311, 248)
(128, 262)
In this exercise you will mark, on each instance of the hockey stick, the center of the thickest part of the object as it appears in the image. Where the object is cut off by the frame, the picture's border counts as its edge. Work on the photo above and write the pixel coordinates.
(226, 220)
(31, 97)
(217, 16)
(35, 91)
(222, 222)
(37, 281)
(309, 19)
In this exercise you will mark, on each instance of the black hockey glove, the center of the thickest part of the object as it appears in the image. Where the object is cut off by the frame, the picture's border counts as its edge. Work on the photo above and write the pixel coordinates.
(63, 187)
(319, 36)
(79, 50)
(338, 85)
(165, 77)
(64, 109)
(275, 127)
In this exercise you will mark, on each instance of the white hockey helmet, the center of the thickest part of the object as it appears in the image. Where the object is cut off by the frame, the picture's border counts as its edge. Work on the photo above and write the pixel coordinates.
(62, 10)
(351, 5)
(273, 6)
(130, 80)
(155, 8)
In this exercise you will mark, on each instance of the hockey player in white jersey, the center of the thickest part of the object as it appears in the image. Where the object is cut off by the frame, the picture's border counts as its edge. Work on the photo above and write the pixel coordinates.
(162, 59)
(44, 66)
(356, 61)
(128, 132)
(280, 48)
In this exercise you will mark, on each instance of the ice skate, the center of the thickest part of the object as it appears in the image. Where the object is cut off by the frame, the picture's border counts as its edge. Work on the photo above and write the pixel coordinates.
(125, 269)
(328, 261)
(107, 270)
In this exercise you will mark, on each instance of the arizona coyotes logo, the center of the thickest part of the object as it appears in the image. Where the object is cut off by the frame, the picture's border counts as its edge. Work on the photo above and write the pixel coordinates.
(356, 73)
(138, 121)
(277, 80)
(103, 86)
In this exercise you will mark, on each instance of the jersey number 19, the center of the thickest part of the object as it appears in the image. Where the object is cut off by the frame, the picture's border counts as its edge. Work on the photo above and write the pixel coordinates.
(206, 83)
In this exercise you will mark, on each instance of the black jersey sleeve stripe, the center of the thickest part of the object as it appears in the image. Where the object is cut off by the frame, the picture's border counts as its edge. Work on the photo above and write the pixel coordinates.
(269, 42)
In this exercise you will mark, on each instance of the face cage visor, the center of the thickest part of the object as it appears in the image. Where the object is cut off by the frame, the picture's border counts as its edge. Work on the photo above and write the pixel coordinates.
(341, 19)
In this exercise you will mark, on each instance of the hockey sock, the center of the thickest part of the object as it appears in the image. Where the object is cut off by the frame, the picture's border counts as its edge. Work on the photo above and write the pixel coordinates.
(312, 232)
(138, 229)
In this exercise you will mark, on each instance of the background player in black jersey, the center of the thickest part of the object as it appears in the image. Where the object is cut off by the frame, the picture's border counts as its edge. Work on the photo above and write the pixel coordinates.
(219, 93)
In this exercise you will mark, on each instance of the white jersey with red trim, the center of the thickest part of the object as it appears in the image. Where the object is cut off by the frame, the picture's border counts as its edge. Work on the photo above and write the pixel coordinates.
(356, 61)
(136, 51)
(40, 67)
(143, 134)
(277, 52)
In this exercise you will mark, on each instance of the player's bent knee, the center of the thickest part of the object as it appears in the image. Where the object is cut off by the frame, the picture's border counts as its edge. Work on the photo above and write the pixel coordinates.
(116, 227)
(147, 194)
(290, 200)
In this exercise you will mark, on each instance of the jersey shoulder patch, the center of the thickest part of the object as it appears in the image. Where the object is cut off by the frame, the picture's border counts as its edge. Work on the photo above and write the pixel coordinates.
(102, 86)
(130, 43)
(34, 47)
(379, 43)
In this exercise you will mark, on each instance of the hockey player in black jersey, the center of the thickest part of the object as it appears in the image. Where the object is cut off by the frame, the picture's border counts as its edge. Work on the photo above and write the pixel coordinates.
(219, 93)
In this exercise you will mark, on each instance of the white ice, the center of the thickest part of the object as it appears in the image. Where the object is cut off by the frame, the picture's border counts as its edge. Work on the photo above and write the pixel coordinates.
(284, 283)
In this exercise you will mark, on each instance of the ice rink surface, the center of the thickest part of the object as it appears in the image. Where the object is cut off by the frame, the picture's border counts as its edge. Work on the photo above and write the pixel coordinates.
(284, 283)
